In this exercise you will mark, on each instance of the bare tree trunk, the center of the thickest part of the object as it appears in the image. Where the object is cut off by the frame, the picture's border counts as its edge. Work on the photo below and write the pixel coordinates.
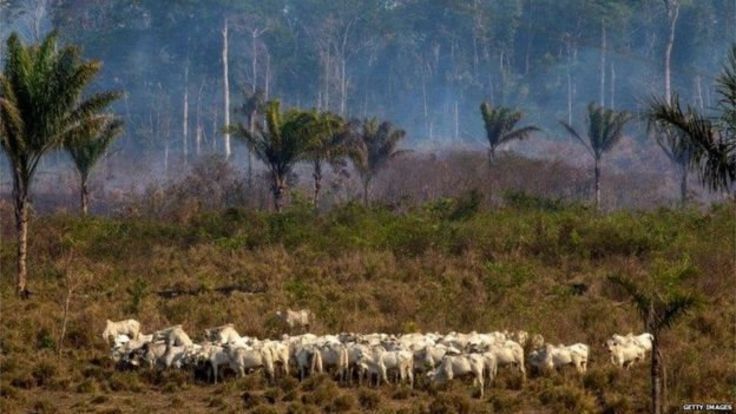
(673, 11)
(254, 58)
(569, 85)
(20, 194)
(226, 87)
(267, 81)
(185, 120)
(699, 92)
(603, 64)
(456, 111)
(198, 132)
(84, 196)
(613, 86)
(597, 185)
(425, 104)
(343, 86)
(317, 181)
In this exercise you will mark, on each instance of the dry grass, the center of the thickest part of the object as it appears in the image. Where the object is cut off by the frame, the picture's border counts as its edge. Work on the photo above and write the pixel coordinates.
(358, 270)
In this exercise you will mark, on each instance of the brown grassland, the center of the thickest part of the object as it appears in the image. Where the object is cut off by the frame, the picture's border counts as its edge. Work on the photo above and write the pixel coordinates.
(451, 264)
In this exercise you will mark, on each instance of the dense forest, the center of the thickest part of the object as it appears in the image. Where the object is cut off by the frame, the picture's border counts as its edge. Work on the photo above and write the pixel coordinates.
(424, 65)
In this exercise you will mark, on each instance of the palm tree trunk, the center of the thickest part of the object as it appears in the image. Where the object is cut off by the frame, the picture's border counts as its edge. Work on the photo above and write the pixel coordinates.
(317, 181)
(279, 188)
(657, 388)
(491, 155)
(597, 185)
(20, 193)
(84, 197)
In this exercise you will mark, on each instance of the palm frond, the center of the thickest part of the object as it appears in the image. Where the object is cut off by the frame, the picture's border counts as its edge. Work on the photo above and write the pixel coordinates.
(573, 133)
(674, 309)
(641, 300)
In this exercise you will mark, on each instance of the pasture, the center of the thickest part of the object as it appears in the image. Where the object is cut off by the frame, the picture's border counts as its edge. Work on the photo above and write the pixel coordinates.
(444, 266)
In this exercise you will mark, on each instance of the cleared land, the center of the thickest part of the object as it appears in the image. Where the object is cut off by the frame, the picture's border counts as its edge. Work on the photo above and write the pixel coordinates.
(533, 265)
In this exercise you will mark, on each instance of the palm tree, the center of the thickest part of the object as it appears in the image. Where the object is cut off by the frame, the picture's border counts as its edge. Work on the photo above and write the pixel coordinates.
(500, 124)
(372, 148)
(328, 133)
(40, 109)
(713, 140)
(280, 144)
(605, 129)
(678, 148)
(252, 105)
(659, 312)
(87, 150)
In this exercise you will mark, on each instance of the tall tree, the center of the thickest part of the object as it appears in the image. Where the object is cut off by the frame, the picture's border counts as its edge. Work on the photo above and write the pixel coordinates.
(659, 305)
(226, 84)
(41, 107)
(673, 12)
(605, 129)
(372, 148)
(86, 149)
(280, 144)
(253, 105)
(329, 134)
(679, 149)
(713, 139)
(500, 124)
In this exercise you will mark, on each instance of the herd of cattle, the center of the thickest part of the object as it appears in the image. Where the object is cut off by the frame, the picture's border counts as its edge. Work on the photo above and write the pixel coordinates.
(348, 356)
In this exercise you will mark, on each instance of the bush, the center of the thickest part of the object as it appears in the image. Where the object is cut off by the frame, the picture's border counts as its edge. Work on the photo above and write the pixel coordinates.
(568, 399)
(299, 408)
(320, 395)
(369, 399)
(44, 406)
(272, 395)
(447, 403)
(264, 409)
(343, 403)
(251, 400)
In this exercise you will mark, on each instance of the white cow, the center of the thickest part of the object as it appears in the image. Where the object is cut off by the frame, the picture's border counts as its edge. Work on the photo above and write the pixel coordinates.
(129, 327)
(173, 336)
(308, 359)
(625, 355)
(453, 366)
(223, 334)
(644, 340)
(244, 359)
(301, 318)
(401, 362)
(509, 353)
(334, 355)
(555, 357)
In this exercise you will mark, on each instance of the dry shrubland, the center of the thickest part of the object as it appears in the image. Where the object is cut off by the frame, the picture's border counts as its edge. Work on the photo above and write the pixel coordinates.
(456, 263)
